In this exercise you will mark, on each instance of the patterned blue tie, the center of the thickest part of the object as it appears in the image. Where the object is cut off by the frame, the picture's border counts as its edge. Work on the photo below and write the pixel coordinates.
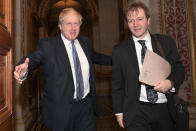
(78, 73)
(152, 95)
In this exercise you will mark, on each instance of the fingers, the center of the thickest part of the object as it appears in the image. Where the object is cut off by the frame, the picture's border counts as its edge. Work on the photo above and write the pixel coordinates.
(17, 72)
(159, 87)
(121, 124)
(157, 83)
(25, 64)
(17, 77)
(20, 70)
(163, 86)
(120, 120)
(27, 61)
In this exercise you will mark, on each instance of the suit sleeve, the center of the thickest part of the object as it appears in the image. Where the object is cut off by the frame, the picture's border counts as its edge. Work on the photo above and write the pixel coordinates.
(35, 58)
(99, 58)
(118, 83)
(177, 69)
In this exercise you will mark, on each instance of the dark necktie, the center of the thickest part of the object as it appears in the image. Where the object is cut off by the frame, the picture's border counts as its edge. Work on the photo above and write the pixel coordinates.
(78, 73)
(152, 95)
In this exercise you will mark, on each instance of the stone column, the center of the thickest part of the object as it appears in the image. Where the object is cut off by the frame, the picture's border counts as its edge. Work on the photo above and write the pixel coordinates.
(22, 114)
(106, 35)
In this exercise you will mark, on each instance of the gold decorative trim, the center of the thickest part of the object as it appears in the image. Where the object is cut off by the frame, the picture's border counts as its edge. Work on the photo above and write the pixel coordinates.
(192, 48)
(126, 28)
(162, 19)
(192, 116)
(192, 111)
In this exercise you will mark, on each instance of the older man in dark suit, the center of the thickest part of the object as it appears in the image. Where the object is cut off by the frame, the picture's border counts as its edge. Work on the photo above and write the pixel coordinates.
(137, 106)
(69, 99)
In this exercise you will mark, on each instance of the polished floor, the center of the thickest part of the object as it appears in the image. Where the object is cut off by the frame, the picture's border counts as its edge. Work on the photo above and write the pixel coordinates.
(105, 122)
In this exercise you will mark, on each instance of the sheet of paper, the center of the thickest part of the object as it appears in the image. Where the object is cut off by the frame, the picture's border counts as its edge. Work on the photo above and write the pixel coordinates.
(154, 68)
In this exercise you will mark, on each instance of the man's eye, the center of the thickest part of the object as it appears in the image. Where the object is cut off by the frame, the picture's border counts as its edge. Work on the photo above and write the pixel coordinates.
(77, 24)
(68, 23)
(130, 21)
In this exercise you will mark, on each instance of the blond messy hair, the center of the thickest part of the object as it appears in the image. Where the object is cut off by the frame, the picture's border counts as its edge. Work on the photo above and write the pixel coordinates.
(66, 11)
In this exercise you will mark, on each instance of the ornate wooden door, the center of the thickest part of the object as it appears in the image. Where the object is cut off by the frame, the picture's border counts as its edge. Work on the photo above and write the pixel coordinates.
(6, 64)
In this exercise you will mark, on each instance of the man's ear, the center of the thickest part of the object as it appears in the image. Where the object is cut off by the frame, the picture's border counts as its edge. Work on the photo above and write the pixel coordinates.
(149, 21)
(60, 27)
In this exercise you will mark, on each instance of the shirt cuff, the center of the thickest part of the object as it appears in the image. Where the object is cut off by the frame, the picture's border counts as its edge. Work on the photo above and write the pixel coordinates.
(173, 90)
(24, 76)
(117, 114)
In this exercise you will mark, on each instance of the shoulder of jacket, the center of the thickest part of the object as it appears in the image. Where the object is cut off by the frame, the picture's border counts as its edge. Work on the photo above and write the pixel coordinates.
(49, 39)
(82, 38)
(121, 44)
(161, 35)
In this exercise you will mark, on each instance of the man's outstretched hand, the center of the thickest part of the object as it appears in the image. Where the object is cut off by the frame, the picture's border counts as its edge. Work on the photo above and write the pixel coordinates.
(20, 71)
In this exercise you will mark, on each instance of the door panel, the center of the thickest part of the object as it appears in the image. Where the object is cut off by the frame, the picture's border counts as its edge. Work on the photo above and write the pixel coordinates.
(6, 109)
(2, 12)
(2, 82)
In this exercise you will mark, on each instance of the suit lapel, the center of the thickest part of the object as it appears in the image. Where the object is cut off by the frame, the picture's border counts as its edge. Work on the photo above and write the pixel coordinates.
(154, 45)
(131, 53)
(85, 49)
(88, 54)
(62, 53)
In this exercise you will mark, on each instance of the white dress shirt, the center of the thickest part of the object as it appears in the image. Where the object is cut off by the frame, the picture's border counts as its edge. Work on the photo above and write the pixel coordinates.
(143, 97)
(83, 62)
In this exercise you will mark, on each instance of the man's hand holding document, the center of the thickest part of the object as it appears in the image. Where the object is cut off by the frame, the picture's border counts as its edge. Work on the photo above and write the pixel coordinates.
(154, 68)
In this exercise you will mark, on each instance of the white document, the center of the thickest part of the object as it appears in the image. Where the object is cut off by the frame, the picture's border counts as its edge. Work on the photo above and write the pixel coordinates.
(154, 68)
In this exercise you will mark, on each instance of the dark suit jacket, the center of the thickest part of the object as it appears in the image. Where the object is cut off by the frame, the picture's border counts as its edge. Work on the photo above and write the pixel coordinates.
(59, 91)
(125, 72)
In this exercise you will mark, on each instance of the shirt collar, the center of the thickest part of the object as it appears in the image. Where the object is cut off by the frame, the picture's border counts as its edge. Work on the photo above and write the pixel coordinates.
(66, 41)
(146, 38)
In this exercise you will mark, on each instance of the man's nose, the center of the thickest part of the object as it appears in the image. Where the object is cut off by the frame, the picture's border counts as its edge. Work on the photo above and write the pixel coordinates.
(73, 26)
(135, 23)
